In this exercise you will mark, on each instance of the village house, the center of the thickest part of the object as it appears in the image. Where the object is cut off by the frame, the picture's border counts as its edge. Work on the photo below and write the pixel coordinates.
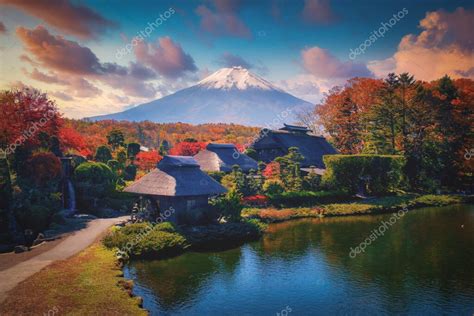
(275, 143)
(222, 157)
(178, 191)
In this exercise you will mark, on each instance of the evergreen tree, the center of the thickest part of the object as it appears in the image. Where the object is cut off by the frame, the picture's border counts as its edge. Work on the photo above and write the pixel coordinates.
(115, 138)
(103, 154)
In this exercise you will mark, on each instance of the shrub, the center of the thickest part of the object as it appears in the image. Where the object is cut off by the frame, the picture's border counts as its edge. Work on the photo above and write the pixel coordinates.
(228, 207)
(103, 154)
(113, 165)
(35, 217)
(147, 240)
(273, 187)
(255, 200)
(130, 173)
(346, 172)
(159, 244)
(93, 180)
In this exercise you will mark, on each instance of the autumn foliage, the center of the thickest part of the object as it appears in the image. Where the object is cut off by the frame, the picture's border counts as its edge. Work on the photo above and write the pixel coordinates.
(147, 161)
(187, 148)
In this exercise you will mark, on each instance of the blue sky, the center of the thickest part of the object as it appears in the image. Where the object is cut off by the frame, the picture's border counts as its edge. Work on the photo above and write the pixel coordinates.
(302, 46)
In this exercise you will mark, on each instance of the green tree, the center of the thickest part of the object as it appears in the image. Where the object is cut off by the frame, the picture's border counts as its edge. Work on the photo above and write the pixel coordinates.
(164, 148)
(121, 158)
(115, 138)
(130, 173)
(290, 169)
(103, 154)
(132, 150)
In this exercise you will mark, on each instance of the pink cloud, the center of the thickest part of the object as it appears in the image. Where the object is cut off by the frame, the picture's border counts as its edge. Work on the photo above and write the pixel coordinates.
(320, 63)
(51, 78)
(63, 14)
(58, 53)
(77, 62)
(445, 43)
(84, 89)
(61, 95)
(223, 20)
(318, 11)
(165, 57)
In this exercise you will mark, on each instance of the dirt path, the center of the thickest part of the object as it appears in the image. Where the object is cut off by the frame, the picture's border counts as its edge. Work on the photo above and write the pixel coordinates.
(63, 250)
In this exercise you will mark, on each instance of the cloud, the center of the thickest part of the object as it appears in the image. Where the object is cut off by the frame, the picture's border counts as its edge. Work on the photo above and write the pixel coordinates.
(320, 63)
(77, 62)
(63, 14)
(165, 57)
(118, 98)
(3, 29)
(51, 78)
(61, 95)
(230, 60)
(318, 12)
(308, 87)
(84, 89)
(445, 44)
(223, 20)
(58, 53)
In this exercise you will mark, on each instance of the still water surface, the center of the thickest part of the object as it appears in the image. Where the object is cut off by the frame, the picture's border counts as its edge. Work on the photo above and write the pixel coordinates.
(423, 264)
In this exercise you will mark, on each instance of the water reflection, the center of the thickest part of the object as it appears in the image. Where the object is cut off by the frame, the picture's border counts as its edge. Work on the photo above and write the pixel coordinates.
(422, 264)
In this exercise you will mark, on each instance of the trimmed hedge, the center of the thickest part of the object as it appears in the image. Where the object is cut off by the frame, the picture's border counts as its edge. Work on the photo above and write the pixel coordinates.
(345, 172)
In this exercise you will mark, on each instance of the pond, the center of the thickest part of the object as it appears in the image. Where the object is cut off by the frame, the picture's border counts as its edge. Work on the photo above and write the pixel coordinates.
(423, 263)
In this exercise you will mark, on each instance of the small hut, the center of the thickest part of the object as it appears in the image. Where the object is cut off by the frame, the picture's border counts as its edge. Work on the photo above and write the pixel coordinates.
(178, 190)
(221, 157)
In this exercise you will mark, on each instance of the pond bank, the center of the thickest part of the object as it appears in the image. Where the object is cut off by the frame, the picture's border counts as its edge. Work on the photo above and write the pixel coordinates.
(378, 205)
(148, 241)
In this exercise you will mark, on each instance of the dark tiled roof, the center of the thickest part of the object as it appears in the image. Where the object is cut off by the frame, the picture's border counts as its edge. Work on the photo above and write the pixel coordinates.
(295, 128)
(313, 148)
(176, 176)
(221, 157)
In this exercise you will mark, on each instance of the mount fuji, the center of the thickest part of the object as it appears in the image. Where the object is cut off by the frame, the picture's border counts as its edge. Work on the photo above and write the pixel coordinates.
(230, 95)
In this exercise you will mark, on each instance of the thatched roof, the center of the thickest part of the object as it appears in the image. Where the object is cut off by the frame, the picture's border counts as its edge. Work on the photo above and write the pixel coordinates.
(176, 176)
(312, 147)
(221, 157)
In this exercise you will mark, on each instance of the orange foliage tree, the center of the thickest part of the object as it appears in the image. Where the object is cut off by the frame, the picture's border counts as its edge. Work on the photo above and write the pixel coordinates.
(147, 160)
(187, 148)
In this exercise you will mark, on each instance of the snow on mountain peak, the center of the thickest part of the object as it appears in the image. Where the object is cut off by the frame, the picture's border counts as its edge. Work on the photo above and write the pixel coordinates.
(235, 78)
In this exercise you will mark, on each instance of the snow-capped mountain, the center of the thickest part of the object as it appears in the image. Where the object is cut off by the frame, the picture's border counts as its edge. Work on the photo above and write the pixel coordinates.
(230, 95)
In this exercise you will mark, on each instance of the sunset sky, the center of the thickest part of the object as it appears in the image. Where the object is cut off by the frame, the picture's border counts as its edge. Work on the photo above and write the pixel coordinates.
(76, 50)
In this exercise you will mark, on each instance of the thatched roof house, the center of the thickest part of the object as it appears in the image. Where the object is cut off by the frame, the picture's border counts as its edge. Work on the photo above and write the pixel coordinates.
(275, 143)
(221, 157)
(178, 184)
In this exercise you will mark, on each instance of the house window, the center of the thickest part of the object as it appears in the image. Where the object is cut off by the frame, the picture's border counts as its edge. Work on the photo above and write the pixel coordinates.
(190, 204)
